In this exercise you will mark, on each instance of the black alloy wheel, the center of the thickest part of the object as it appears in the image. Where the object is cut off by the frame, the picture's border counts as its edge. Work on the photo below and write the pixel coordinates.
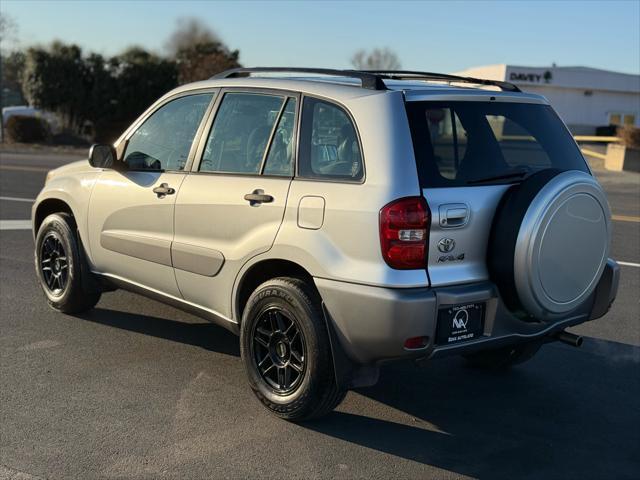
(279, 350)
(286, 351)
(54, 264)
(63, 271)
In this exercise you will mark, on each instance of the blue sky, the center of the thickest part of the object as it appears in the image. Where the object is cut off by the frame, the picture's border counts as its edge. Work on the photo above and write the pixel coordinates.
(432, 35)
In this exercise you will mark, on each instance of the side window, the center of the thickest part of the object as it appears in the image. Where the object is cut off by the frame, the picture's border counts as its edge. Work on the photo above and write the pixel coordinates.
(280, 157)
(163, 141)
(240, 133)
(329, 146)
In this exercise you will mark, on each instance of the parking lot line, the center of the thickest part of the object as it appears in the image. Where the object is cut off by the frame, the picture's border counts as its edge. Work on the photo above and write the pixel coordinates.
(24, 168)
(630, 264)
(15, 224)
(625, 218)
(17, 199)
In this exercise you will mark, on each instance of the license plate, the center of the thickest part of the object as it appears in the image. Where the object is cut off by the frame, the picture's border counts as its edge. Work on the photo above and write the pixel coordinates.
(460, 323)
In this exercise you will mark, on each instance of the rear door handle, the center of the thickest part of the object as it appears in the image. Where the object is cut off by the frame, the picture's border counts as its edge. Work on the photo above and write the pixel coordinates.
(257, 197)
(453, 215)
(163, 190)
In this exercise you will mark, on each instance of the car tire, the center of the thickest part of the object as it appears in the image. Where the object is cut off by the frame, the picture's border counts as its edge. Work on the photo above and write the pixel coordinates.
(286, 350)
(60, 266)
(503, 358)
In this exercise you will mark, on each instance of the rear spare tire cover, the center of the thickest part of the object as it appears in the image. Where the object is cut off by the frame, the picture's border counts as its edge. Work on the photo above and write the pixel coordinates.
(550, 242)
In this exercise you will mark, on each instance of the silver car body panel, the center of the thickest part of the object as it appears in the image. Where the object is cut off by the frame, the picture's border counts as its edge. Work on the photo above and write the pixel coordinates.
(465, 262)
(225, 225)
(72, 184)
(123, 207)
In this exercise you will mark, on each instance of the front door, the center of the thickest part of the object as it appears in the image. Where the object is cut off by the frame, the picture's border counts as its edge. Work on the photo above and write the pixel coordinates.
(230, 207)
(132, 207)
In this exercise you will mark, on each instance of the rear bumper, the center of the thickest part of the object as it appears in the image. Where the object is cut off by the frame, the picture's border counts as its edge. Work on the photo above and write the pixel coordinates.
(372, 323)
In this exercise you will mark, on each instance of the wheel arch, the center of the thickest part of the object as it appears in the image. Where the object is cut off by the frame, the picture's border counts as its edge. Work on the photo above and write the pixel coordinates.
(260, 272)
(46, 207)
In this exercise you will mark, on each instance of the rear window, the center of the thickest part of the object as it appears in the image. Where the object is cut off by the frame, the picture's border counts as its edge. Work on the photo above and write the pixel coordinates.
(472, 143)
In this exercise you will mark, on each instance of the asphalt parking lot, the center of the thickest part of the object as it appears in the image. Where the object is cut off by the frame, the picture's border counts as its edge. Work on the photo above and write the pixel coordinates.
(136, 389)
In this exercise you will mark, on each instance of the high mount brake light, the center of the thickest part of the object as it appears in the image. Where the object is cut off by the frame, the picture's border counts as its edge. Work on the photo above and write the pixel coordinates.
(404, 233)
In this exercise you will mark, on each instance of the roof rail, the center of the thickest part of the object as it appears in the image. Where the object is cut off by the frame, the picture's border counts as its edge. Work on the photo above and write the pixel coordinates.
(371, 79)
(368, 80)
(412, 75)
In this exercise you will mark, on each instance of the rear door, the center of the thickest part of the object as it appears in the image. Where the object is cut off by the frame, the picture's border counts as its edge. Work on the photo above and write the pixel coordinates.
(230, 207)
(468, 154)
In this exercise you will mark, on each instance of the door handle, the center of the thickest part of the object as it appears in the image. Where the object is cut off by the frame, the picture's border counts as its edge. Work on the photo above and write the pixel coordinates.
(257, 197)
(163, 190)
(453, 215)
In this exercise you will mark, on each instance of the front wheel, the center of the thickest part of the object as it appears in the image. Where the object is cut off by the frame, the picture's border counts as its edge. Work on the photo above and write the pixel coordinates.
(286, 351)
(58, 262)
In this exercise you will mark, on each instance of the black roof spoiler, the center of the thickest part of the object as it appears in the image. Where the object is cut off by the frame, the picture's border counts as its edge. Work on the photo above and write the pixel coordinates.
(370, 79)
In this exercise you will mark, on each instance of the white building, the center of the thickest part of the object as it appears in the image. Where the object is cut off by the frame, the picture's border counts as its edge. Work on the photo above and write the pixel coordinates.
(585, 98)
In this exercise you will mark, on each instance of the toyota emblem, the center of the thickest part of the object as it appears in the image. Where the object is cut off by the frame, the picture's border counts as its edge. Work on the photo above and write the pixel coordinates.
(446, 245)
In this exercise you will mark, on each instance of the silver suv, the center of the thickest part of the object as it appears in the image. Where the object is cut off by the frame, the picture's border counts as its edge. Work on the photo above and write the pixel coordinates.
(339, 219)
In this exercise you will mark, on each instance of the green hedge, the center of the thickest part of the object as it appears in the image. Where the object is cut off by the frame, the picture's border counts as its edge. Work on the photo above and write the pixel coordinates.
(630, 136)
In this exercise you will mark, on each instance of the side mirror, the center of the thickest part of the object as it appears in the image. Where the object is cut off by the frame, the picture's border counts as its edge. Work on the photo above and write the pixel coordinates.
(102, 156)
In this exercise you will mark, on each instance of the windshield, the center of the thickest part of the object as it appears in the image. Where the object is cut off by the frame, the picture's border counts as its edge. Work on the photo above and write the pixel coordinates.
(471, 143)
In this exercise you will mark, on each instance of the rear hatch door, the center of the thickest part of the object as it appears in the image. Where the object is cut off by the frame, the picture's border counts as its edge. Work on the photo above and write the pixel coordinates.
(468, 153)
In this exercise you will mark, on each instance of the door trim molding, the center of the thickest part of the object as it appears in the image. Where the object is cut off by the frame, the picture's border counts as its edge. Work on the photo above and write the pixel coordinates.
(152, 249)
(196, 259)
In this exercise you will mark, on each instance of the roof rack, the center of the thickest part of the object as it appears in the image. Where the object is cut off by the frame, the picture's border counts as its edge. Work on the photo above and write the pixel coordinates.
(412, 75)
(370, 79)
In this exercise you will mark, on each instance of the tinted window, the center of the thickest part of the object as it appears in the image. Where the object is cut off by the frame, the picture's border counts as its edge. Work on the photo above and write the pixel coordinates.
(280, 157)
(329, 146)
(163, 141)
(449, 140)
(240, 133)
(459, 143)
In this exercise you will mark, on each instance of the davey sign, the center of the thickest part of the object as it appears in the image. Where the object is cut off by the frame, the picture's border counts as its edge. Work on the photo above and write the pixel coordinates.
(531, 77)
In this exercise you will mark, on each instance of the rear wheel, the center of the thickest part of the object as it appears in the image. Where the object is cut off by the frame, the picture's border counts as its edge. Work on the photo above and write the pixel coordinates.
(286, 351)
(58, 262)
(503, 358)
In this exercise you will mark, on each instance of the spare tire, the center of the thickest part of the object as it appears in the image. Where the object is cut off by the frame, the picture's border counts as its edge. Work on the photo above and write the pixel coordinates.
(549, 242)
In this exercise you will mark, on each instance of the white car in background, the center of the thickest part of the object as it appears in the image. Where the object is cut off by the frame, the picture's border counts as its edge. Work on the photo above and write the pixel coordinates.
(26, 111)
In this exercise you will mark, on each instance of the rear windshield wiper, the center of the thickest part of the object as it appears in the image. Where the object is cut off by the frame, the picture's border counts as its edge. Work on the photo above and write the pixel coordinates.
(504, 176)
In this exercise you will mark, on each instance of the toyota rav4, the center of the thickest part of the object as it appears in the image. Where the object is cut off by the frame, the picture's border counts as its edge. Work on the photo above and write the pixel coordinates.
(338, 219)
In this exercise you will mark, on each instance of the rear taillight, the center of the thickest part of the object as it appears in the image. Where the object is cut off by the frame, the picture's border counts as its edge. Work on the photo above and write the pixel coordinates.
(404, 233)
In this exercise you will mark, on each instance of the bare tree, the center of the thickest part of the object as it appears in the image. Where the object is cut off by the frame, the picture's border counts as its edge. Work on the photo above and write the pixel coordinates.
(377, 59)
(189, 33)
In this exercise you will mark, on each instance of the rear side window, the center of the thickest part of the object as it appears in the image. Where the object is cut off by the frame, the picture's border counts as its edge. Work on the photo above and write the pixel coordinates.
(329, 146)
(464, 143)
(163, 141)
(240, 134)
